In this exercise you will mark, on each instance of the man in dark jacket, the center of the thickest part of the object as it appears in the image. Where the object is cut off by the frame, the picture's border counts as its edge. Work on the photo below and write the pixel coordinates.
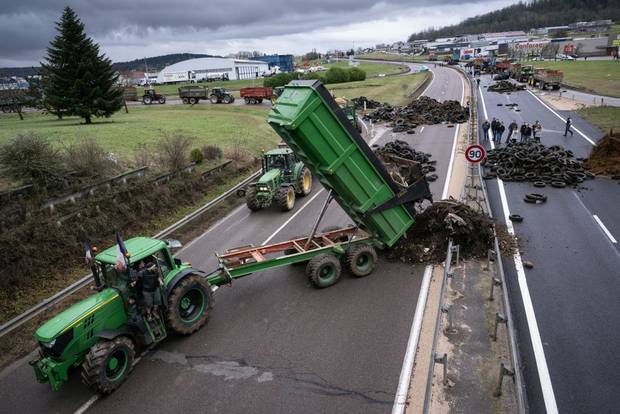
(523, 131)
(148, 282)
(500, 131)
(485, 130)
(494, 124)
(528, 132)
(569, 122)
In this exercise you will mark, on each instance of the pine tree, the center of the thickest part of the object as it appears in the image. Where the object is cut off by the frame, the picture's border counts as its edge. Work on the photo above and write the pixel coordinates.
(77, 80)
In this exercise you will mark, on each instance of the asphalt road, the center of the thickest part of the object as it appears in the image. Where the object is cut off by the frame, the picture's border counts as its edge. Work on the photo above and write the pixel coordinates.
(574, 285)
(273, 344)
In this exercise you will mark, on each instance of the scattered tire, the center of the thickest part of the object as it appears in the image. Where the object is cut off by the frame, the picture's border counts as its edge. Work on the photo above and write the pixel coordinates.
(558, 184)
(527, 264)
(361, 260)
(431, 177)
(241, 192)
(188, 305)
(539, 184)
(323, 270)
(108, 364)
(285, 198)
(305, 182)
(516, 218)
(535, 198)
(250, 199)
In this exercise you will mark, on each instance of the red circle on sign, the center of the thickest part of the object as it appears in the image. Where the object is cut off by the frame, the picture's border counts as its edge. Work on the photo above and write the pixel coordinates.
(475, 153)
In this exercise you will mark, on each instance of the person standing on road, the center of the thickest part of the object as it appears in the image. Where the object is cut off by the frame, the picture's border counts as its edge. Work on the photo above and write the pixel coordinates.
(485, 130)
(523, 130)
(478, 82)
(528, 132)
(537, 130)
(569, 122)
(500, 131)
(494, 129)
(512, 129)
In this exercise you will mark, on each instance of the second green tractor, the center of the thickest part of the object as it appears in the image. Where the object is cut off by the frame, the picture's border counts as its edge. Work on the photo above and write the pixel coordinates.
(283, 179)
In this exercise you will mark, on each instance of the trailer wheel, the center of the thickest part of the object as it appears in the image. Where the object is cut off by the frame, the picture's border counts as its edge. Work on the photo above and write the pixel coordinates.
(250, 199)
(185, 101)
(285, 198)
(193, 101)
(323, 270)
(260, 100)
(247, 100)
(361, 260)
(108, 364)
(189, 305)
(304, 182)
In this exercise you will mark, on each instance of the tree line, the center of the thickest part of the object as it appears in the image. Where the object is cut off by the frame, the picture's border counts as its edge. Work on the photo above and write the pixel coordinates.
(527, 15)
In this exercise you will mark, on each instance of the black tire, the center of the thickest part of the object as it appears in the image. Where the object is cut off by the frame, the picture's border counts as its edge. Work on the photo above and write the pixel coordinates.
(108, 364)
(558, 184)
(515, 218)
(250, 199)
(193, 101)
(228, 99)
(304, 182)
(147, 100)
(361, 260)
(185, 101)
(324, 270)
(162, 100)
(247, 100)
(259, 100)
(539, 184)
(213, 99)
(285, 198)
(189, 305)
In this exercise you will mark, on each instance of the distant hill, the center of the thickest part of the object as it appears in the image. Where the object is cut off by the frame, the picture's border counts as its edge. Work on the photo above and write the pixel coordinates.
(155, 63)
(528, 15)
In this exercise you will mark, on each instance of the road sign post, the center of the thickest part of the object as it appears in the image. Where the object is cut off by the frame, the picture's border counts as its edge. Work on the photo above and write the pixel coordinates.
(475, 153)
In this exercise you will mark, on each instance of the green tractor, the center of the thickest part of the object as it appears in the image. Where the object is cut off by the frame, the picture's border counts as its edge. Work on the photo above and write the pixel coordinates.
(284, 177)
(103, 333)
(219, 95)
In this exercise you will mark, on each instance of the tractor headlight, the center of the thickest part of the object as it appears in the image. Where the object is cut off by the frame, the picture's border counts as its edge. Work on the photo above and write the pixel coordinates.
(49, 344)
(263, 188)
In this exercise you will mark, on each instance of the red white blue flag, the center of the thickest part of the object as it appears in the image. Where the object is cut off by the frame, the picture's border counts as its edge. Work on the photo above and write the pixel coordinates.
(121, 252)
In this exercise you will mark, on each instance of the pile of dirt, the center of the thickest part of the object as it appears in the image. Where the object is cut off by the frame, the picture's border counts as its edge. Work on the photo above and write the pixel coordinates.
(401, 154)
(605, 157)
(422, 111)
(505, 86)
(427, 240)
(370, 103)
(536, 163)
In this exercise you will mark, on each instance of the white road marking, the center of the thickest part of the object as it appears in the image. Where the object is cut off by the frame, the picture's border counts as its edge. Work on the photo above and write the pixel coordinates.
(291, 218)
(607, 232)
(210, 229)
(563, 120)
(431, 82)
(539, 353)
(421, 130)
(412, 344)
(87, 404)
(446, 184)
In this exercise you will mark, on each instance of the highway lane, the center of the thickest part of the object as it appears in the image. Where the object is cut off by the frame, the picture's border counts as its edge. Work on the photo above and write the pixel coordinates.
(273, 343)
(574, 284)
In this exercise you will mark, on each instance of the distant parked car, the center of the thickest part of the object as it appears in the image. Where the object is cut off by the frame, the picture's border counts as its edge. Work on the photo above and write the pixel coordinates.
(502, 76)
(539, 59)
(564, 57)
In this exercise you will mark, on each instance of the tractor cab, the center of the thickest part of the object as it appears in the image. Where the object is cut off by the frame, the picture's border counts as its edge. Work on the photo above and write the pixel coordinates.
(219, 95)
(281, 159)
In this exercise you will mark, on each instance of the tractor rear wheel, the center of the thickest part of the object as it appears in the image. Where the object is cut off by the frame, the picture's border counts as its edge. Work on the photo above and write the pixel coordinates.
(285, 198)
(108, 364)
(304, 182)
(323, 270)
(213, 99)
(250, 199)
(147, 100)
(361, 260)
(189, 305)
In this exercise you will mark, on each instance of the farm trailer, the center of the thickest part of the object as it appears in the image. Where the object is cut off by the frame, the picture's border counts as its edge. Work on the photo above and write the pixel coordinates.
(103, 333)
(257, 94)
(193, 94)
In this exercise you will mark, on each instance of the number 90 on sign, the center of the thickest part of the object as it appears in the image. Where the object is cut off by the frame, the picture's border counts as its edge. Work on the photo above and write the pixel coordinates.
(475, 153)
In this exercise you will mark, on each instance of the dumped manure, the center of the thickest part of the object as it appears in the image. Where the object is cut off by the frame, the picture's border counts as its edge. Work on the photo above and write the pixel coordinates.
(605, 156)
(427, 240)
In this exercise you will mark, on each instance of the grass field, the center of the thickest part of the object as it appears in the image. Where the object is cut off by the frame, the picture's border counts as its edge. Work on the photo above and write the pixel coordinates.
(598, 76)
(371, 69)
(123, 133)
(388, 89)
(603, 117)
(393, 56)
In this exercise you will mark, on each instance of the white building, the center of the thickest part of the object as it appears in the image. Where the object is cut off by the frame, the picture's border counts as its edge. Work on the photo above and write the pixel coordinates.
(204, 68)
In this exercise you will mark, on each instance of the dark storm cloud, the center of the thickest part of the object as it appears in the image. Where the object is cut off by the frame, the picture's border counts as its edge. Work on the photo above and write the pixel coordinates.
(28, 24)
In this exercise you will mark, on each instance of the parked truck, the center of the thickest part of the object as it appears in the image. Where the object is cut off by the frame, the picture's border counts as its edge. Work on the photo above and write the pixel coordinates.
(544, 78)
(193, 94)
(256, 95)
(103, 333)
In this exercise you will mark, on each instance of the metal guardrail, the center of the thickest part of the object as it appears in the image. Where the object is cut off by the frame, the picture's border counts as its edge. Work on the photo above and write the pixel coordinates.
(52, 300)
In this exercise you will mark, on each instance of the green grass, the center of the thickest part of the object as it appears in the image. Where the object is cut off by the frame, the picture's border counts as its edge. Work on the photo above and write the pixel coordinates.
(123, 133)
(603, 117)
(388, 89)
(597, 76)
(371, 69)
(393, 57)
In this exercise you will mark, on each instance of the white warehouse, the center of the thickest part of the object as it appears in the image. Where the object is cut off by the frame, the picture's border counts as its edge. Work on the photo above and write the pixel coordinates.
(210, 68)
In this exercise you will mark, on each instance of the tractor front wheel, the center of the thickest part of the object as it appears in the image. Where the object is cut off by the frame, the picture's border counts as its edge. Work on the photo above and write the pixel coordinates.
(323, 270)
(250, 199)
(285, 198)
(108, 364)
(228, 99)
(361, 260)
(304, 182)
(189, 305)
(162, 100)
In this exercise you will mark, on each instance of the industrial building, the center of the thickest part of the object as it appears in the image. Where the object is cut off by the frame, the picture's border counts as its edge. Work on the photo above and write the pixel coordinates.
(201, 69)
(284, 62)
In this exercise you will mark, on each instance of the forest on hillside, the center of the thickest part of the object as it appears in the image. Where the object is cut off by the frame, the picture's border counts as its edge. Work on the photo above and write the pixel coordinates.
(528, 15)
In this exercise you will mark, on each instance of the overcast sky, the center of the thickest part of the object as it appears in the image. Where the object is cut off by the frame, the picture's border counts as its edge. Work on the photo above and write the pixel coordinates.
(131, 29)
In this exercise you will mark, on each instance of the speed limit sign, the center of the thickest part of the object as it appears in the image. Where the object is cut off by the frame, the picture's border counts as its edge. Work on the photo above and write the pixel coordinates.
(475, 153)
